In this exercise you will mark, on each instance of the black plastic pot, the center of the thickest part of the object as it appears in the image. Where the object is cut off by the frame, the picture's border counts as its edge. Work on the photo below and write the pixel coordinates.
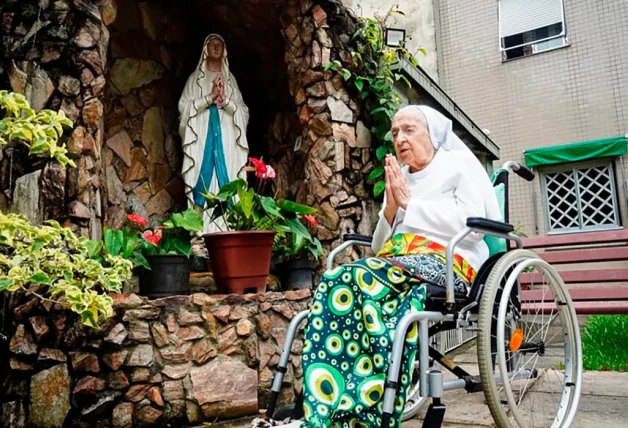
(296, 274)
(169, 276)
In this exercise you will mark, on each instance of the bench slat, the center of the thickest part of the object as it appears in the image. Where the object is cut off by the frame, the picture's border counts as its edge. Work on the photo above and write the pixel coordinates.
(582, 276)
(579, 294)
(588, 255)
(576, 239)
(582, 308)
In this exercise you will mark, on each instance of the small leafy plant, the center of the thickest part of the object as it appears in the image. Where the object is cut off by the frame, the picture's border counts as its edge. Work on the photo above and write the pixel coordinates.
(39, 132)
(373, 75)
(55, 265)
(134, 242)
(243, 208)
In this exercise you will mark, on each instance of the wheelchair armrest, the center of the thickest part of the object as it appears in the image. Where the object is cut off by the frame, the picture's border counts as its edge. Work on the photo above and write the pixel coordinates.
(490, 225)
(354, 237)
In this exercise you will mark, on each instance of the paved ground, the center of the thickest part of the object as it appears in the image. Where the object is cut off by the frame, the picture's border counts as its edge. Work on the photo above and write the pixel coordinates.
(603, 402)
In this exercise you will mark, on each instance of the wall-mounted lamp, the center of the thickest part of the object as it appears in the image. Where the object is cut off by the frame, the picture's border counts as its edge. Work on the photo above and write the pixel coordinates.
(395, 37)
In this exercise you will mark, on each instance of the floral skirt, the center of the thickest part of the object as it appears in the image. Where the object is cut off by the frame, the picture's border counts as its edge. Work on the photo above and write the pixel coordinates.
(352, 325)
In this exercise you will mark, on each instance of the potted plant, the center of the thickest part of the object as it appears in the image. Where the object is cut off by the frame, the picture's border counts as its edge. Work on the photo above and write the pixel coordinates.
(240, 256)
(162, 255)
(295, 259)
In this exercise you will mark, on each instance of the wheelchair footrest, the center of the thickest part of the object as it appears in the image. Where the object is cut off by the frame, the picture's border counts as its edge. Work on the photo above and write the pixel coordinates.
(435, 415)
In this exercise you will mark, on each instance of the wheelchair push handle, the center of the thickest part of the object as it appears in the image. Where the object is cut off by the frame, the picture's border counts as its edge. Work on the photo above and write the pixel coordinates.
(522, 171)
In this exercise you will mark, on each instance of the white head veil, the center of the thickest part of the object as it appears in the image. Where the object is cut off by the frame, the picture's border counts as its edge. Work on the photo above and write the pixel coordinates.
(199, 85)
(443, 137)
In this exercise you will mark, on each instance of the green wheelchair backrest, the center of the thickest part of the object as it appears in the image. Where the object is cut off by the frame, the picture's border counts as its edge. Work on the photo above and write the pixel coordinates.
(500, 185)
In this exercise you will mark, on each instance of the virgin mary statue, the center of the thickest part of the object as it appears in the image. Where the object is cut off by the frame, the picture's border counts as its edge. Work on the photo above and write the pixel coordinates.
(213, 122)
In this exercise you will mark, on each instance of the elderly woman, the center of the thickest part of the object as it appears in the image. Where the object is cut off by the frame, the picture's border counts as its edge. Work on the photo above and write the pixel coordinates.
(357, 306)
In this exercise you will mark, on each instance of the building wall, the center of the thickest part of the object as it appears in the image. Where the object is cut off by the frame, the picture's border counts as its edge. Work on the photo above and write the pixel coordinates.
(417, 20)
(570, 94)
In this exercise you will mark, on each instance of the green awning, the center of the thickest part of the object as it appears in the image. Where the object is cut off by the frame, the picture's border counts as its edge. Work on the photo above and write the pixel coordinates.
(576, 152)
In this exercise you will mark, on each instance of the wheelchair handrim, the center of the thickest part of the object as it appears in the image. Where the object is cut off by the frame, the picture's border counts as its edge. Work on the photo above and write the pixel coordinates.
(572, 367)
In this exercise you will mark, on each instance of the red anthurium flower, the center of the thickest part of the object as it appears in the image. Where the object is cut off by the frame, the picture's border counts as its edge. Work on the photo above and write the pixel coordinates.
(260, 167)
(310, 220)
(137, 219)
(153, 237)
(270, 172)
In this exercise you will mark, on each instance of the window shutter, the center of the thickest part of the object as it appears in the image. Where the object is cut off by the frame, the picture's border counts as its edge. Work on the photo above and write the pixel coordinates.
(519, 16)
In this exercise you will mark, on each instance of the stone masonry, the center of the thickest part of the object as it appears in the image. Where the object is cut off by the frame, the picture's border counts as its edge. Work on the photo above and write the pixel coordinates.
(182, 360)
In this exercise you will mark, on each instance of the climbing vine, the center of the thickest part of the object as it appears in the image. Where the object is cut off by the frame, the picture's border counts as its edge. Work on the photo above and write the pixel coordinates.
(372, 73)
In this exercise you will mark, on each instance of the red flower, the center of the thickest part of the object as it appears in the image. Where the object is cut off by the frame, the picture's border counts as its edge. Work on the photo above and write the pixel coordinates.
(152, 237)
(310, 220)
(137, 219)
(270, 172)
(260, 167)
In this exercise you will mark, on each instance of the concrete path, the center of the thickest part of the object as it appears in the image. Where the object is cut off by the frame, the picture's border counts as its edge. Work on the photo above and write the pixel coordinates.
(603, 403)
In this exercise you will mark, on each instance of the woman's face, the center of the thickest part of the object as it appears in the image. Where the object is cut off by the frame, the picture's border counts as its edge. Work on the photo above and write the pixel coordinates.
(412, 140)
(215, 49)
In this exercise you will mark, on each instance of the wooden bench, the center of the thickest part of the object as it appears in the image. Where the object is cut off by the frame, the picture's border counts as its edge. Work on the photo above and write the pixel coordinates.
(600, 296)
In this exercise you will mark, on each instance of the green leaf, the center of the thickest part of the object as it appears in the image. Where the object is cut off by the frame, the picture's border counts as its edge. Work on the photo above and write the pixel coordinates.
(39, 244)
(130, 242)
(138, 259)
(293, 207)
(113, 241)
(359, 84)
(297, 227)
(5, 283)
(40, 278)
(190, 220)
(270, 206)
(388, 137)
(377, 110)
(379, 187)
(381, 152)
(346, 74)
(93, 248)
(89, 317)
(377, 172)
(183, 246)
(246, 201)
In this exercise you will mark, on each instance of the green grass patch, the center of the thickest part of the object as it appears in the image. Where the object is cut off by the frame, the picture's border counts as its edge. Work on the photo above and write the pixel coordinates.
(605, 342)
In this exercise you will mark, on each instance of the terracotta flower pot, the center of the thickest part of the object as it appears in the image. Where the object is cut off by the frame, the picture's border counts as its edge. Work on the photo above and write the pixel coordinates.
(240, 260)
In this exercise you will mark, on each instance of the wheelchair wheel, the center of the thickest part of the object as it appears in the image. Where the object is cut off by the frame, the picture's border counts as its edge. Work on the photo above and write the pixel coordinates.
(529, 351)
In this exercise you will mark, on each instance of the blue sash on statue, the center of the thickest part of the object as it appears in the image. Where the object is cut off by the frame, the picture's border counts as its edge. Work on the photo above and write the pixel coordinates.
(213, 156)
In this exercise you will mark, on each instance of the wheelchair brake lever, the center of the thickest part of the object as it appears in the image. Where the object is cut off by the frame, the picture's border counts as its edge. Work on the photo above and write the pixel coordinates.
(464, 314)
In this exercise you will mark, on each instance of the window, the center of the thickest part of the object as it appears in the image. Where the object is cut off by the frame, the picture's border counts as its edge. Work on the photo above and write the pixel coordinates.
(580, 198)
(527, 27)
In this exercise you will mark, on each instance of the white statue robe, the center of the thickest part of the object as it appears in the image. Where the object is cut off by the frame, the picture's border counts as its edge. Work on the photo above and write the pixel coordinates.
(194, 110)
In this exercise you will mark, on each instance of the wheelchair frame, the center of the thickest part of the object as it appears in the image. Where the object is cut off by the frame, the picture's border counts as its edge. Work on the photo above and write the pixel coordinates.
(431, 382)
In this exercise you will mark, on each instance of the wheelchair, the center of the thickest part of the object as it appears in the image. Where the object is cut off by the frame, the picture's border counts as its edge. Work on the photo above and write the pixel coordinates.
(529, 350)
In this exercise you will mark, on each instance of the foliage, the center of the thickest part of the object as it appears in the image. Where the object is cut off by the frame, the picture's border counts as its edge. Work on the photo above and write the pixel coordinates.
(40, 132)
(604, 339)
(243, 208)
(54, 264)
(373, 75)
(133, 242)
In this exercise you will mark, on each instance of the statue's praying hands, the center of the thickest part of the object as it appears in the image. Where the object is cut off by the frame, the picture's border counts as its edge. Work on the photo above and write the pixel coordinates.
(218, 91)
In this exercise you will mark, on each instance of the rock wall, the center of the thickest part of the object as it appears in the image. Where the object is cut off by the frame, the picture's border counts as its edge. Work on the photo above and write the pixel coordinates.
(142, 146)
(179, 360)
(116, 69)
(55, 52)
(335, 144)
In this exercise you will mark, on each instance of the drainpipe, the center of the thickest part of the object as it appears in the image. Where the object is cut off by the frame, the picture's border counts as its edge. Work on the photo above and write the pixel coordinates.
(438, 38)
